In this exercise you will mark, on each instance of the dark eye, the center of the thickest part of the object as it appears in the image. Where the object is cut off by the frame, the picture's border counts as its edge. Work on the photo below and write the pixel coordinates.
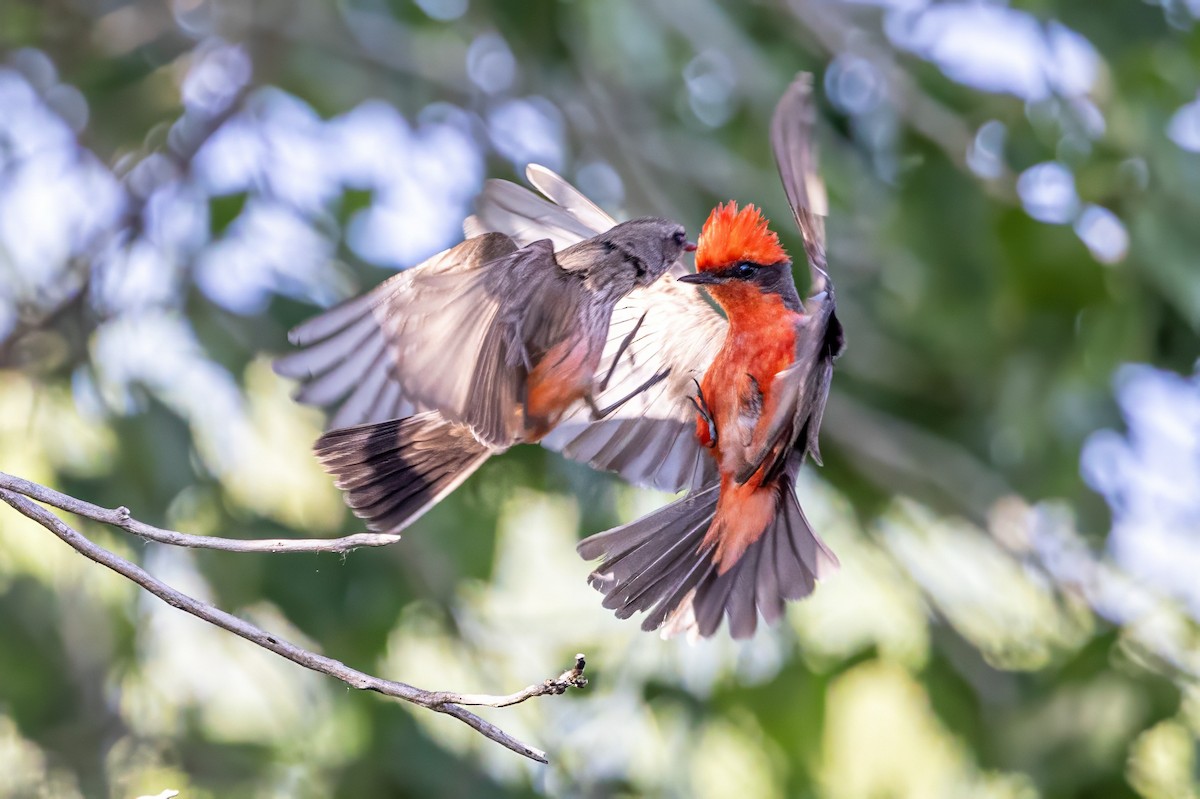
(744, 271)
(679, 238)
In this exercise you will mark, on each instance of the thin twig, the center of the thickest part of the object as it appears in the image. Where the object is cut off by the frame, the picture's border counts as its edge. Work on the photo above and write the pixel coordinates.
(119, 517)
(571, 678)
(439, 701)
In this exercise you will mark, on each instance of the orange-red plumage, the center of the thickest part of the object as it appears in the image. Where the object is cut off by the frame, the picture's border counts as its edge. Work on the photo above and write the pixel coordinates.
(730, 235)
(760, 343)
(738, 546)
(560, 378)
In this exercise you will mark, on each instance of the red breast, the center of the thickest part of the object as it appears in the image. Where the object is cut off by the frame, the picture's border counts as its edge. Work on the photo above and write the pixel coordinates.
(760, 342)
(561, 378)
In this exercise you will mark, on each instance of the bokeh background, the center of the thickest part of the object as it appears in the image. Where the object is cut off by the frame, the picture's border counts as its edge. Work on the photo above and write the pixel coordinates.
(1012, 447)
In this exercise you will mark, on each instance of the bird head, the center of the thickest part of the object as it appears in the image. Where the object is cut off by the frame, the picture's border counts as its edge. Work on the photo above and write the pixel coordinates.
(638, 252)
(629, 254)
(738, 257)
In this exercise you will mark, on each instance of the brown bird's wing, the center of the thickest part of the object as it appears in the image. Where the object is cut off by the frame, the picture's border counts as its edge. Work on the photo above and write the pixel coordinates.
(521, 307)
(345, 362)
(795, 154)
(515, 211)
(439, 335)
(651, 439)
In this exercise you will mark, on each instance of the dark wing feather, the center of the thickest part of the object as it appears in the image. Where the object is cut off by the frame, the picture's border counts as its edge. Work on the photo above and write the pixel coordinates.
(458, 341)
(345, 361)
(440, 335)
(803, 387)
(513, 210)
(795, 153)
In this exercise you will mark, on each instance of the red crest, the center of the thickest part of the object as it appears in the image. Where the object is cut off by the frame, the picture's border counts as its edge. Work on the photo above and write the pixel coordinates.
(730, 236)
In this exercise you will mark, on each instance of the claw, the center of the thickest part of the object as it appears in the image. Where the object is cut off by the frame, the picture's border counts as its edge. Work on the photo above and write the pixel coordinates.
(599, 413)
(625, 342)
(705, 412)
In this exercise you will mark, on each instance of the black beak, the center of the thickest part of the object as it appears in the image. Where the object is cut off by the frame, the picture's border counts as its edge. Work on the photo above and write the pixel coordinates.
(700, 278)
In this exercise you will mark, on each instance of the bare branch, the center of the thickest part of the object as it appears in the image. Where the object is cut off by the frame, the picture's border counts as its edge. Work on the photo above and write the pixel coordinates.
(119, 517)
(439, 701)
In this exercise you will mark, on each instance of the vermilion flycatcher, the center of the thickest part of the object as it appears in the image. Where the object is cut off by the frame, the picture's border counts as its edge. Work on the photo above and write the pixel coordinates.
(746, 393)
(738, 410)
(483, 346)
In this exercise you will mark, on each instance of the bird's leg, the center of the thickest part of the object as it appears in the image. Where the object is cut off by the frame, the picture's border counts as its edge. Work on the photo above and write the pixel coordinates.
(599, 413)
(705, 412)
(625, 342)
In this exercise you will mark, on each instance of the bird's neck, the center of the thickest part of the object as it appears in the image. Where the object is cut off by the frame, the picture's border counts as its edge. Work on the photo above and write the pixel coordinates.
(760, 342)
(752, 310)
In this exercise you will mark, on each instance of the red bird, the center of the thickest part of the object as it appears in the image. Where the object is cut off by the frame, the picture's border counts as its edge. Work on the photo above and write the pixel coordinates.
(738, 411)
(739, 544)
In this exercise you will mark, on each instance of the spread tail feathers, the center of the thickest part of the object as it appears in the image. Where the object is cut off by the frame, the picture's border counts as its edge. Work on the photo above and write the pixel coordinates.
(392, 472)
(658, 564)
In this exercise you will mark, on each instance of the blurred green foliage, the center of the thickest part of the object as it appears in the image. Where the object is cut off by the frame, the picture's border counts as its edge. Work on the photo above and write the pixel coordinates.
(980, 641)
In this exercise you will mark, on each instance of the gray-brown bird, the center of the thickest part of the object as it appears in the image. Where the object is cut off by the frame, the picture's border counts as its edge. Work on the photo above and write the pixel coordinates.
(486, 345)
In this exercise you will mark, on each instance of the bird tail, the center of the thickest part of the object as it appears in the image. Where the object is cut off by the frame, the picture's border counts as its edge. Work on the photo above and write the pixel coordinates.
(661, 564)
(392, 472)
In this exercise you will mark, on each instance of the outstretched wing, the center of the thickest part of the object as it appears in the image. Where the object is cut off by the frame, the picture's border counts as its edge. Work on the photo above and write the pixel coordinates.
(651, 439)
(345, 361)
(439, 335)
(795, 154)
(515, 211)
